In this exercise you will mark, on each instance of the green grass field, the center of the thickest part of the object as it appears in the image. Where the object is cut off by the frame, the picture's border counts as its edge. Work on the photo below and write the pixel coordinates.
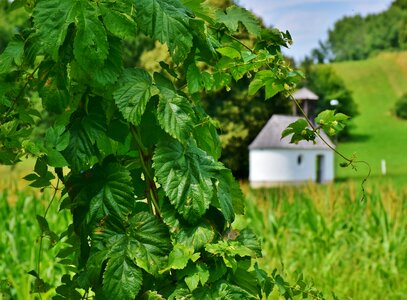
(376, 84)
(355, 250)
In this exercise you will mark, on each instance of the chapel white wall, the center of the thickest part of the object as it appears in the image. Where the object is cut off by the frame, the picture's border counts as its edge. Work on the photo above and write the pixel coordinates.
(281, 165)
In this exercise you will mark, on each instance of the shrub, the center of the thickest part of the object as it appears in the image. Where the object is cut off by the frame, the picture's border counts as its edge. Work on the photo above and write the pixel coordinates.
(401, 107)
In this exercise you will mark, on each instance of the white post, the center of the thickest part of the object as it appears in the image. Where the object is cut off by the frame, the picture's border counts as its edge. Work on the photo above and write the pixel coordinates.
(383, 167)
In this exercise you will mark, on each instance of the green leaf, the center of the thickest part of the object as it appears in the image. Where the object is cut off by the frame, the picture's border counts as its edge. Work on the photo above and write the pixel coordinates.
(12, 55)
(40, 167)
(42, 222)
(180, 256)
(267, 79)
(229, 52)
(115, 195)
(234, 14)
(167, 21)
(198, 80)
(198, 7)
(246, 280)
(248, 238)
(193, 79)
(56, 159)
(330, 121)
(185, 175)
(197, 236)
(229, 194)
(87, 131)
(175, 113)
(207, 138)
(224, 290)
(150, 242)
(151, 295)
(195, 274)
(133, 94)
(57, 138)
(122, 278)
(119, 23)
(90, 45)
(52, 19)
(299, 130)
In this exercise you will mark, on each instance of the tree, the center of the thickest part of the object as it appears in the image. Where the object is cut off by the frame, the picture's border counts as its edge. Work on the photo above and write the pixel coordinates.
(152, 206)
(357, 37)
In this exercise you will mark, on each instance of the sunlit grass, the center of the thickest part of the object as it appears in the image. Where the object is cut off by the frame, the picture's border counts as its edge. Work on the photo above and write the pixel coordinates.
(358, 250)
(376, 84)
(19, 242)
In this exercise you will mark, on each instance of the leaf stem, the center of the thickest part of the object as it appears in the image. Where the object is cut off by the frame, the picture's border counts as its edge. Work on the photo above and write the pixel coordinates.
(56, 189)
(146, 164)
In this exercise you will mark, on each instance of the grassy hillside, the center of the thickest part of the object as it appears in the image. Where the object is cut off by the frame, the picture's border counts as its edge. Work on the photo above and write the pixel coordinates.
(376, 83)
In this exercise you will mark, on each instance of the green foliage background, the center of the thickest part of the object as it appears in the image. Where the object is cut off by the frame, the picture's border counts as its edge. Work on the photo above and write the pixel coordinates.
(357, 37)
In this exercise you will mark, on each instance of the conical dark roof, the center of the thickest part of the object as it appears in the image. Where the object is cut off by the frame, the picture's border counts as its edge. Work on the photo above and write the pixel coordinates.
(270, 136)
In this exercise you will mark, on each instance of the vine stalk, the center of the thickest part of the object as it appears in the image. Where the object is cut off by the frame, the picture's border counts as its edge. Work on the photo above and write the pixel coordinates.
(350, 161)
(146, 164)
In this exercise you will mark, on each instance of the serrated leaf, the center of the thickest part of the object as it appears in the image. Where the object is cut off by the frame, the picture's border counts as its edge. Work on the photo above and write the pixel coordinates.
(267, 79)
(230, 196)
(133, 94)
(122, 278)
(90, 44)
(87, 130)
(248, 238)
(207, 138)
(198, 80)
(150, 242)
(180, 256)
(117, 22)
(52, 19)
(12, 55)
(234, 14)
(174, 113)
(195, 274)
(229, 248)
(246, 280)
(197, 236)
(193, 79)
(330, 121)
(224, 290)
(254, 86)
(229, 52)
(56, 159)
(272, 88)
(152, 295)
(167, 21)
(185, 175)
(198, 7)
(40, 167)
(299, 130)
(115, 195)
(57, 138)
(104, 76)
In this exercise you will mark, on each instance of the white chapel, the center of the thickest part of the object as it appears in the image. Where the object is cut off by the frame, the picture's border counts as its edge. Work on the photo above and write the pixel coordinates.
(275, 161)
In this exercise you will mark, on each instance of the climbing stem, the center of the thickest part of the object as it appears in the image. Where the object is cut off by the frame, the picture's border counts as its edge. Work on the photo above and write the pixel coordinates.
(350, 161)
(146, 164)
